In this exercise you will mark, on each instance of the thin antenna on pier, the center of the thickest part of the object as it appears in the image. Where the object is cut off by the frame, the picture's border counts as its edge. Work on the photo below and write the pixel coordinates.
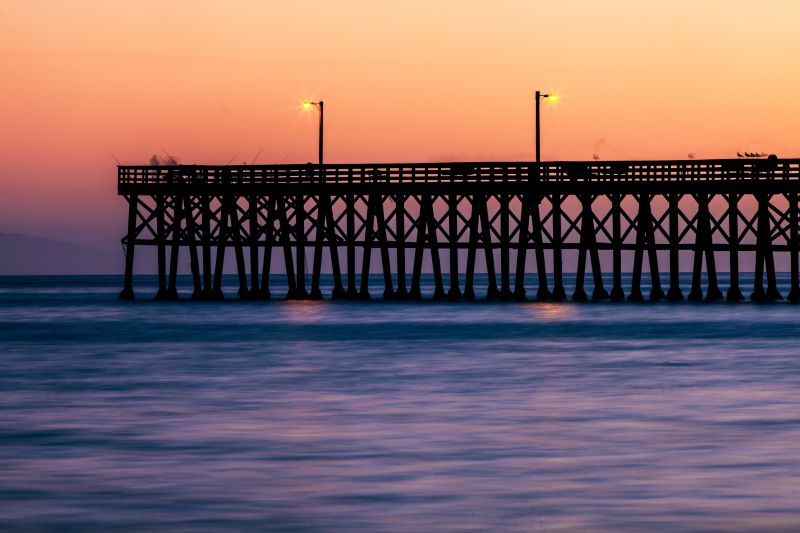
(231, 159)
(171, 160)
(256, 157)
(115, 158)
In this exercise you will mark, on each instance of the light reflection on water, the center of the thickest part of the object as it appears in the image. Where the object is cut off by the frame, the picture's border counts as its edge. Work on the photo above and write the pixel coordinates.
(395, 417)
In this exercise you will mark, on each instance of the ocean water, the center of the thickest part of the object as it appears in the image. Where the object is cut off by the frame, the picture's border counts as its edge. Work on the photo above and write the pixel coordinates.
(387, 416)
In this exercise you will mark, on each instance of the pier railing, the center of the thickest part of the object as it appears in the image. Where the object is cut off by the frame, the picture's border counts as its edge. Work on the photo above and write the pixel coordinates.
(564, 171)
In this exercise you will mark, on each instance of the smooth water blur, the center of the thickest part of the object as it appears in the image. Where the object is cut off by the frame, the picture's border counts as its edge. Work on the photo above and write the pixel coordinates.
(386, 416)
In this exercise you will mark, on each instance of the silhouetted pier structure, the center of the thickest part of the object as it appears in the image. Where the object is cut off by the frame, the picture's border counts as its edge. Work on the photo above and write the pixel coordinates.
(521, 217)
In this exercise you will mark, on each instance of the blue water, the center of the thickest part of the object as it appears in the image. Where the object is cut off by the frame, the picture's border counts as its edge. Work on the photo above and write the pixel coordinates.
(386, 416)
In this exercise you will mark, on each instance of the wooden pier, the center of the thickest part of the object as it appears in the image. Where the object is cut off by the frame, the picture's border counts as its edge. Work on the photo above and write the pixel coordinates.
(520, 217)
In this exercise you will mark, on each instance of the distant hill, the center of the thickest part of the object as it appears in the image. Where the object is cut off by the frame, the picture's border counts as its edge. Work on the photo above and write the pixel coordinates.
(26, 255)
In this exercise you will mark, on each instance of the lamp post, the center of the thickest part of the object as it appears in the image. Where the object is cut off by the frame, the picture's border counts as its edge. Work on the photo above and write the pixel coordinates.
(549, 98)
(558, 293)
(316, 294)
(319, 106)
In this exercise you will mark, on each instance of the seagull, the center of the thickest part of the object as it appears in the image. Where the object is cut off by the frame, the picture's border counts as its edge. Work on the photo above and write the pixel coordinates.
(739, 155)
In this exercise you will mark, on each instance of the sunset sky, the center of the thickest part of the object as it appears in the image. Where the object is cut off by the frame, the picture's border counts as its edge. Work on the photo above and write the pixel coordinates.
(213, 81)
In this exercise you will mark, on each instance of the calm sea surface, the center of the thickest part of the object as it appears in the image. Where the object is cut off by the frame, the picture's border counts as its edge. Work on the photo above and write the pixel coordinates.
(407, 417)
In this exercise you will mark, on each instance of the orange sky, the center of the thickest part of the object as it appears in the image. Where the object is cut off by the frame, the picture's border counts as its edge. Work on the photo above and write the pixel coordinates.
(402, 81)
